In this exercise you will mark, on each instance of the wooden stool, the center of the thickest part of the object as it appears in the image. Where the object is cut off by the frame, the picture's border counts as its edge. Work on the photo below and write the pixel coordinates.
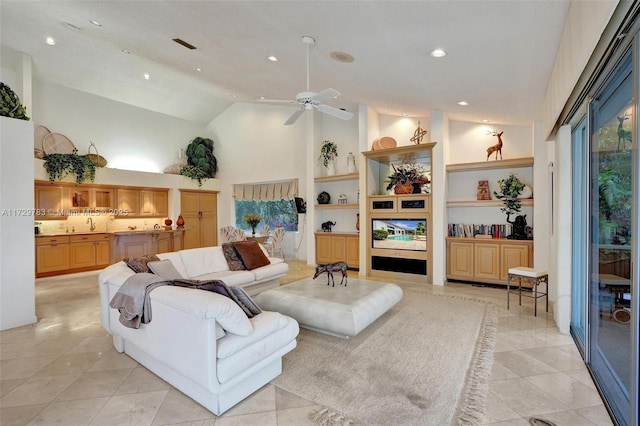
(536, 277)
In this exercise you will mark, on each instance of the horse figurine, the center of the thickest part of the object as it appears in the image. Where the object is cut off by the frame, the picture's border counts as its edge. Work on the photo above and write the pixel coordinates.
(329, 269)
(497, 148)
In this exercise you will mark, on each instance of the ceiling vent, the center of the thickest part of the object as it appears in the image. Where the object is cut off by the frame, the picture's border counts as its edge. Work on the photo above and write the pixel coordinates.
(184, 43)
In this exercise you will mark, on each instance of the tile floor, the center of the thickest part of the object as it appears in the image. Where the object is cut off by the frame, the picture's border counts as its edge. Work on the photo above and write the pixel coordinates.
(64, 371)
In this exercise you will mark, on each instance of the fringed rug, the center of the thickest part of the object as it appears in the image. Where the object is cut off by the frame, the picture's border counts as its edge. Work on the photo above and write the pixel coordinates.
(425, 362)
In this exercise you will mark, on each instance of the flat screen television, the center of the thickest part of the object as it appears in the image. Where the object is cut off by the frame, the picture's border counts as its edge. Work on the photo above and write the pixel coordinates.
(399, 234)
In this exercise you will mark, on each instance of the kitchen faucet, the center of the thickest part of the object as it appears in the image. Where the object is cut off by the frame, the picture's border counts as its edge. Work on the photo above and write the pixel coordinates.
(93, 225)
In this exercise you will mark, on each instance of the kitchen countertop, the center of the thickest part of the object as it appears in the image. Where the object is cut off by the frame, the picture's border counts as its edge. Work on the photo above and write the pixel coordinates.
(122, 232)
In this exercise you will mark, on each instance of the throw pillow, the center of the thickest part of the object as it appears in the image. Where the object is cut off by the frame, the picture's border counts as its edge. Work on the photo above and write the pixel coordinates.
(246, 300)
(139, 264)
(251, 254)
(233, 258)
(165, 269)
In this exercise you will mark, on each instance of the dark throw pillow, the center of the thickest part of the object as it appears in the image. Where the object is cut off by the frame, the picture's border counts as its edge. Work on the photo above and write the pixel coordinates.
(252, 255)
(233, 258)
(139, 264)
(246, 300)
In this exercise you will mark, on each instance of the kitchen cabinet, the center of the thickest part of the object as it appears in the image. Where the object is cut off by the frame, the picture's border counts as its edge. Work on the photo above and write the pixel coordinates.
(199, 209)
(334, 247)
(154, 203)
(128, 200)
(89, 251)
(486, 260)
(52, 254)
(50, 201)
(140, 243)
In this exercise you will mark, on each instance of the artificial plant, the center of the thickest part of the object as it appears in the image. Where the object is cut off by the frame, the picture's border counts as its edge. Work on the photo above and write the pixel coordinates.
(58, 166)
(10, 105)
(201, 163)
(328, 152)
(510, 189)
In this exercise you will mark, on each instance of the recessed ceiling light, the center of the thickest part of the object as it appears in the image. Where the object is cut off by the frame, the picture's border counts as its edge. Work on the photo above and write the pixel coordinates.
(485, 121)
(125, 51)
(147, 76)
(272, 58)
(438, 53)
(234, 96)
(341, 57)
(199, 69)
(463, 103)
(96, 23)
(262, 98)
(50, 41)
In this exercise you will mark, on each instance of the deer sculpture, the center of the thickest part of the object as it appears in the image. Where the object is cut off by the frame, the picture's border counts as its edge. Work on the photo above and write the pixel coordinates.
(329, 269)
(497, 148)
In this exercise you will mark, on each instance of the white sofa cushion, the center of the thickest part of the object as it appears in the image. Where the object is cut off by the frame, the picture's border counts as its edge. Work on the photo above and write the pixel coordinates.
(230, 278)
(263, 324)
(245, 358)
(205, 304)
(270, 271)
(176, 259)
(203, 260)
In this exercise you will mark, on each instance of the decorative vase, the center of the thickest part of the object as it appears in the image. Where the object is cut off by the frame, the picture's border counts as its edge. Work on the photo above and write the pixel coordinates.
(180, 222)
(168, 222)
(253, 232)
(403, 188)
(358, 222)
(351, 163)
(331, 168)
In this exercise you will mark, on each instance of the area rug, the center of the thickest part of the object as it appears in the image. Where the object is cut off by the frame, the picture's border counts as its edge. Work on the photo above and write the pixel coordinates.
(425, 362)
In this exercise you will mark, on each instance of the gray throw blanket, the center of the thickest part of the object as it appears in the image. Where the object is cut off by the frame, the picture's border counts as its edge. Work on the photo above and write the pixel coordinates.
(132, 299)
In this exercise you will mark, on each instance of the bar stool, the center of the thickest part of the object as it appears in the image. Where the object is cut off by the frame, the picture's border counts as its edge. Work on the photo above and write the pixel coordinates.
(536, 277)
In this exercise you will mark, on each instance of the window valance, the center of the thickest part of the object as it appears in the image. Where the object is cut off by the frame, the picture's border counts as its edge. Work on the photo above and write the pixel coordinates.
(266, 191)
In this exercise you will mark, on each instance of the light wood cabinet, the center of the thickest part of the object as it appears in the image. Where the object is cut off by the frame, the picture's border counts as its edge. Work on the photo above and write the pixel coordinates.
(199, 209)
(52, 254)
(164, 243)
(138, 244)
(50, 201)
(334, 247)
(154, 203)
(486, 261)
(128, 201)
(88, 251)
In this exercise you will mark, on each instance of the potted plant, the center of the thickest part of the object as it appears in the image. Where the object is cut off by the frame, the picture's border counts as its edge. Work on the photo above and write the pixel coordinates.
(201, 163)
(58, 166)
(510, 189)
(10, 105)
(252, 220)
(408, 178)
(328, 155)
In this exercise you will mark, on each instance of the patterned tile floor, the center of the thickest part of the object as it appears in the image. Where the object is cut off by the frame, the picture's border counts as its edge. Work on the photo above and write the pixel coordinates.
(64, 371)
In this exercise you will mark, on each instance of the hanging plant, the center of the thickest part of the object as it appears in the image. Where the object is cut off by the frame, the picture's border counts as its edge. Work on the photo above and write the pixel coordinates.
(510, 189)
(59, 166)
(201, 163)
(328, 152)
(10, 105)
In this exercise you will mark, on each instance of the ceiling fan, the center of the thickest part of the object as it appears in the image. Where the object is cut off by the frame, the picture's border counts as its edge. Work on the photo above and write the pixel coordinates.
(309, 100)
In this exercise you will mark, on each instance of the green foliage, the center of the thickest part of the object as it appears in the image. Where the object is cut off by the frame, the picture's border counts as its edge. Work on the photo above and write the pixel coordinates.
(195, 173)
(200, 154)
(10, 105)
(408, 172)
(380, 234)
(274, 213)
(421, 228)
(328, 152)
(58, 166)
(510, 188)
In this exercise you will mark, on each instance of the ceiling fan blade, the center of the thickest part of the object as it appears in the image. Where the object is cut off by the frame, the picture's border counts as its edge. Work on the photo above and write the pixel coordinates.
(277, 101)
(294, 117)
(325, 95)
(336, 112)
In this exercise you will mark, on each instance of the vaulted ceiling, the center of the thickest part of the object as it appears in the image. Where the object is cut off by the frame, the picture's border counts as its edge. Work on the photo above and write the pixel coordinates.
(499, 53)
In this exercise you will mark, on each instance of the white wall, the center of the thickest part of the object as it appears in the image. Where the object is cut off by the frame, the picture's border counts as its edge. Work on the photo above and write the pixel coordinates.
(17, 258)
(469, 141)
(129, 137)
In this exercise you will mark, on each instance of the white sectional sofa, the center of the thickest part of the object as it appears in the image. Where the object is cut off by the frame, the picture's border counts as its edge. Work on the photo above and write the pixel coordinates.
(201, 342)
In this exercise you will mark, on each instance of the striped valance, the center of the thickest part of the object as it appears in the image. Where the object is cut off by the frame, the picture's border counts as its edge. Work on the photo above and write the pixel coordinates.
(266, 191)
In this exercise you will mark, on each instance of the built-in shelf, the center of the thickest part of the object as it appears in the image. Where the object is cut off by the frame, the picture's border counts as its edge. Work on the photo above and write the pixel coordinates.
(336, 206)
(402, 153)
(488, 165)
(335, 178)
(484, 203)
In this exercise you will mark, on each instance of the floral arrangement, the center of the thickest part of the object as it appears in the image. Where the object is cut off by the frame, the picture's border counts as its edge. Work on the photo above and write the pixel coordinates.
(328, 152)
(510, 189)
(253, 220)
(408, 172)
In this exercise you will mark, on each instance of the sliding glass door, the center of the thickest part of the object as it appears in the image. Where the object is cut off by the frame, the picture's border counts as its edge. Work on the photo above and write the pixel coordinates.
(610, 237)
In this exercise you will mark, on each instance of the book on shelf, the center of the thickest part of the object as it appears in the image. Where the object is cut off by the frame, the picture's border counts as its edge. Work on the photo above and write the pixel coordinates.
(501, 230)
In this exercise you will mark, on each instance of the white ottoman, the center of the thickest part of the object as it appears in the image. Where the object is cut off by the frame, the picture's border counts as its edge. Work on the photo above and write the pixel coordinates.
(339, 311)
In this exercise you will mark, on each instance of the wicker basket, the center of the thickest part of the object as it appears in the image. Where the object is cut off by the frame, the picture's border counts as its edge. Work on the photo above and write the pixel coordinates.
(403, 188)
(96, 159)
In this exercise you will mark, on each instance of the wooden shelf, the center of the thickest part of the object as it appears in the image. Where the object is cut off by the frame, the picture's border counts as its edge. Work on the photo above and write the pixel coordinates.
(488, 165)
(402, 153)
(487, 203)
(335, 178)
(337, 206)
